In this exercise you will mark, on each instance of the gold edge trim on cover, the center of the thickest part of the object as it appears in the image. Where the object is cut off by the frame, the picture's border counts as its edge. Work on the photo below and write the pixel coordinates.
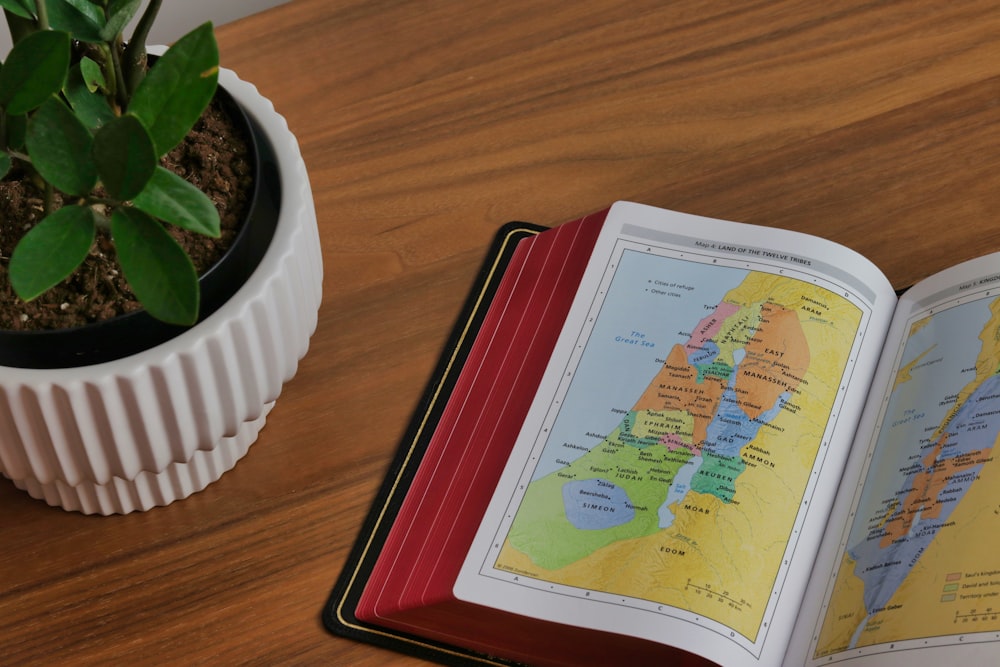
(406, 461)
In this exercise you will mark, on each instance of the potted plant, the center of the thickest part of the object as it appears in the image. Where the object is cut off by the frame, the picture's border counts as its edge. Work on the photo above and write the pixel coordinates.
(144, 408)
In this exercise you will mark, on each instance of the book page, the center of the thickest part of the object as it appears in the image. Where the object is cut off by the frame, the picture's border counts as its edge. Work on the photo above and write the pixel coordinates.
(914, 578)
(675, 471)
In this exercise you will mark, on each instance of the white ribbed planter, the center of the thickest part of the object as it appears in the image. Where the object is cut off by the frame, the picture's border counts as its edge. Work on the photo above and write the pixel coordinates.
(159, 425)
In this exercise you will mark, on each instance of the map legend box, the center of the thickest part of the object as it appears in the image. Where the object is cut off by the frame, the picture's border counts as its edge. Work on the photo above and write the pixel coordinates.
(951, 589)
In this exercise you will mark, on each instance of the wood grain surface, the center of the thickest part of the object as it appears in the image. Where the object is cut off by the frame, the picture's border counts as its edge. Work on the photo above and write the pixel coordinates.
(425, 126)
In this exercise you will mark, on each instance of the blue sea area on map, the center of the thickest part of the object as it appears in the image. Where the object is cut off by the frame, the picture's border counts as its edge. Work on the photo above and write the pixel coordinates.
(595, 504)
(883, 569)
(678, 490)
(916, 409)
(614, 371)
(944, 350)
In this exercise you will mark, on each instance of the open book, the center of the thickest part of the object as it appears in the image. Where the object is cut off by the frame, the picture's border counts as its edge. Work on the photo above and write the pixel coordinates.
(661, 437)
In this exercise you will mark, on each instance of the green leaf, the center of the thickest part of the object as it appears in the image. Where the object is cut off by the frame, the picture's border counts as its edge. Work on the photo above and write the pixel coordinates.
(23, 8)
(125, 157)
(5, 164)
(35, 69)
(120, 12)
(91, 108)
(60, 148)
(169, 197)
(51, 251)
(81, 18)
(156, 267)
(92, 75)
(178, 87)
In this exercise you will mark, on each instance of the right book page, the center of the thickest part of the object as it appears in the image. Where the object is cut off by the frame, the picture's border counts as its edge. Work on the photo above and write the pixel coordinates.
(675, 472)
(910, 571)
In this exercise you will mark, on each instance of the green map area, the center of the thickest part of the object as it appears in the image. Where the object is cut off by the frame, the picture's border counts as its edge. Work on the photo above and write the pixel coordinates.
(922, 557)
(691, 499)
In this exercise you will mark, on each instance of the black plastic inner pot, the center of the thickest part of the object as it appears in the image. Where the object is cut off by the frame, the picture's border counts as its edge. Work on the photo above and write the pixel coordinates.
(135, 332)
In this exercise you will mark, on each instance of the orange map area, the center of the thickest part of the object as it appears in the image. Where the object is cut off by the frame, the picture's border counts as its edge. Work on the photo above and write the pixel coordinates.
(924, 499)
(777, 356)
(677, 387)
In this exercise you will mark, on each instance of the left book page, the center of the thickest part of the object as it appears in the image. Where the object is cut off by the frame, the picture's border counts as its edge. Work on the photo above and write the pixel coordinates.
(698, 408)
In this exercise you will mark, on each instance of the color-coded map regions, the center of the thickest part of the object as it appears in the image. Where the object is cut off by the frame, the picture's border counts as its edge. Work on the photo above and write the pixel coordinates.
(679, 483)
(921, 563)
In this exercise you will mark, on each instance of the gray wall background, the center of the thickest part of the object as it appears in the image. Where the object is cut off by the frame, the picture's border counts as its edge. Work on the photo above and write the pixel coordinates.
(177, 17)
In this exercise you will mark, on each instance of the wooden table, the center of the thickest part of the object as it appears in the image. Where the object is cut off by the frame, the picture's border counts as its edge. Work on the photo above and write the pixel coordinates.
(425, 126)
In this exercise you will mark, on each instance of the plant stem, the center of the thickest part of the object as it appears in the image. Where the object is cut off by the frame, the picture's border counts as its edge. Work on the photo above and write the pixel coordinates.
(121, 92)
(135, 50)
(43, 14)
(17, 155)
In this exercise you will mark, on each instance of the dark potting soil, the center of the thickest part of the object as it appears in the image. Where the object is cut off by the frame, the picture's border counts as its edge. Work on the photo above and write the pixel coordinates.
(216, 157)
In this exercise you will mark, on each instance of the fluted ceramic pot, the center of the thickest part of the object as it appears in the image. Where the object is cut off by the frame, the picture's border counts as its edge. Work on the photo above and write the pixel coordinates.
(160, 424)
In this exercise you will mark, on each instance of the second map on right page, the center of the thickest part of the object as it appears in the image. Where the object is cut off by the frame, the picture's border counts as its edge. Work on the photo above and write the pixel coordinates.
(921, 555)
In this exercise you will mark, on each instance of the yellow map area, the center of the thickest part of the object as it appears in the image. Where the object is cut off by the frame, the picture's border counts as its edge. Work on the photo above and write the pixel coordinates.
(720, 556)
(953, 586)
(948, 584)
(905, 373)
